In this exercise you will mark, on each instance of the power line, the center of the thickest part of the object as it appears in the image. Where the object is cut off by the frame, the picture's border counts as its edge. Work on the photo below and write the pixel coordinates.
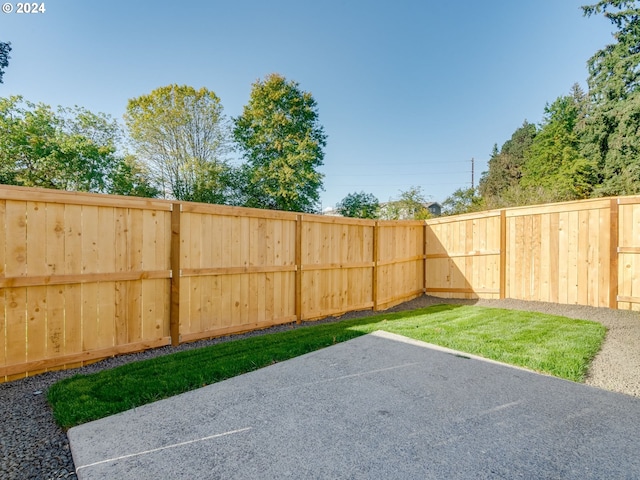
(358, 185)
(392, 174)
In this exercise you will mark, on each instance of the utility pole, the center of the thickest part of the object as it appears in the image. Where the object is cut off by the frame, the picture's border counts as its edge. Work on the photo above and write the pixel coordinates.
(473, 185)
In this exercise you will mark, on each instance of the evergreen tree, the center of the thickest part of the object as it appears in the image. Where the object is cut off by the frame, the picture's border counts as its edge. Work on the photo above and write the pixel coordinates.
(505, 167)
(612, 131)
(553, 162)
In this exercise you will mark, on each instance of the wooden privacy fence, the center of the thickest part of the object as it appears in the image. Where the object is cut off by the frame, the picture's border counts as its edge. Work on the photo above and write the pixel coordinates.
(585, 252)
(85, 276)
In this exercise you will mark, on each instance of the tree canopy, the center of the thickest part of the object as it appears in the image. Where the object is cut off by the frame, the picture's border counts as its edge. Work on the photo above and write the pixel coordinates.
(67, 149)
(5, 49)
(463, 200)
(554, 161)
(411, 204)
(505, 166)
(359, 205)
(182, 135)
(612, 133)
(282, 141)
(588, 145)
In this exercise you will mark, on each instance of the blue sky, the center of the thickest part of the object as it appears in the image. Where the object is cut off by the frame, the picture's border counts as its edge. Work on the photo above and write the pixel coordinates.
(408, 91)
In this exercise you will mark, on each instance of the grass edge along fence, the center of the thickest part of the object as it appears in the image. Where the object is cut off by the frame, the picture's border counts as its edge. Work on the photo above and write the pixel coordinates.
(88, 276)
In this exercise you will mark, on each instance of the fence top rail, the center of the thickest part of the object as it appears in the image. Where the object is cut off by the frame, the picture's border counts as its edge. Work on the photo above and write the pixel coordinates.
(337, 220)
(592, 204)
(45, 195)
(401, 223)
(230, 211)
(629, 200)
(465, 216)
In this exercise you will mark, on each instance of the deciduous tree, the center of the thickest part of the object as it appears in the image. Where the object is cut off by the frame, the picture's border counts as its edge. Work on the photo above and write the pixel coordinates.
(463, 200)
(131, 177)
(359, 205)
(282, 141)
(411, 204)
(182, 134)
(68, 149)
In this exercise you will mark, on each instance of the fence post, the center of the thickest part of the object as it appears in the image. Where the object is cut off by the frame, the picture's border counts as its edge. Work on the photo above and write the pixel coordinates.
(174, 311)
(298, 286)
(613, 253)
(424, 255)
(503, 254)
(375, 265)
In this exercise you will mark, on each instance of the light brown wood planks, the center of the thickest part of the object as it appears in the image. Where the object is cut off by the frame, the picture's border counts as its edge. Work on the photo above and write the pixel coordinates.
(463, 256)
(238, 270)
(560, 253)
(68, 267)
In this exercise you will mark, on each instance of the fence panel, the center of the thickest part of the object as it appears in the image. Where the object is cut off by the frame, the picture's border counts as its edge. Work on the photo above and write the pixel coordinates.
(337, 266)
(75, 283)
(463, 256)
(400, 262)
(560, 253)
(237, 270)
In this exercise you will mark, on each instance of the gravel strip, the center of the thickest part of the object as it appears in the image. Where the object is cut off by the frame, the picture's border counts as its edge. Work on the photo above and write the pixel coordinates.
(32, 446)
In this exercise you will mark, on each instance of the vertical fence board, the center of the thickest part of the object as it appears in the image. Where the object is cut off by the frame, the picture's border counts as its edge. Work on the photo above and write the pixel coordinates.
(37, 264)
(563, 258)
(3, 324)
(509, 272)
(593, 247)
(612, 301)
(89, 290)
(56, 263)
(121, 252)
(554, 264)
(73, 293)
(604, 258)
(572, 258)
(633, 240)
(545, 257)
(106, 290)
(583, 267)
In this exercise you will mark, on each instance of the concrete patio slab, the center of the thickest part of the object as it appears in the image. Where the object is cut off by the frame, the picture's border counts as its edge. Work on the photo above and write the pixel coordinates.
(377, 407)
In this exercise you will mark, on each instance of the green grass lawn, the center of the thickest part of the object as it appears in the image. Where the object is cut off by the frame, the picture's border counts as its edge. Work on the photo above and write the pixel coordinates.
(555, 345)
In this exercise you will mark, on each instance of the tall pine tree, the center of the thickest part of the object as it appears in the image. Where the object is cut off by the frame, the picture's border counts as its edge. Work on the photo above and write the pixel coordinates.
(612, 132)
